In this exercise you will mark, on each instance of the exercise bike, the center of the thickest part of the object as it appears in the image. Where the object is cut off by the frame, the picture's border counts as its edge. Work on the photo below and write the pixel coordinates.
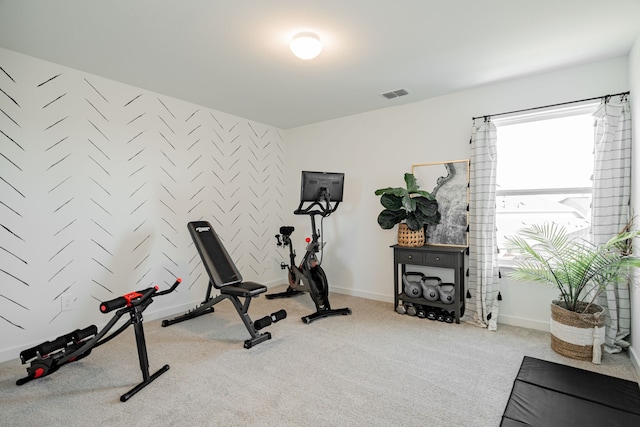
(309, 276)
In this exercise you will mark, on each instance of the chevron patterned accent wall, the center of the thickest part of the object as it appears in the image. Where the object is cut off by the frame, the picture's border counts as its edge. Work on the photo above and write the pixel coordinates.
(97, 183)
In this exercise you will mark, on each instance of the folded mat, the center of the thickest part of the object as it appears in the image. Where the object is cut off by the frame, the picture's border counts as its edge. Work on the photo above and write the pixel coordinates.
(548, 394)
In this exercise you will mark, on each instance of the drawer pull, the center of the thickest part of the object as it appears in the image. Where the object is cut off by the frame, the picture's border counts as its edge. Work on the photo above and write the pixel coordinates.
(410, 256)
(437, 258)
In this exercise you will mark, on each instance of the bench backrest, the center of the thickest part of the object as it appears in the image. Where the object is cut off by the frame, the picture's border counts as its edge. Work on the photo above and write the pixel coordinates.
(221, 269)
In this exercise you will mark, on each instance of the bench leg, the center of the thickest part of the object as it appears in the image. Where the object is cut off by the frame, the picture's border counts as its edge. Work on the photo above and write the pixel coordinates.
(204, 308)
(242, 309)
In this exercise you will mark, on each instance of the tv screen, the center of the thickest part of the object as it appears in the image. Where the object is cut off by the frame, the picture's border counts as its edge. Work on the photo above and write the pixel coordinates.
(313, 183)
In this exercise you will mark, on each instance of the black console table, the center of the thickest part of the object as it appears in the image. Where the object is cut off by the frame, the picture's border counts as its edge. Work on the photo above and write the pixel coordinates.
(431, 256)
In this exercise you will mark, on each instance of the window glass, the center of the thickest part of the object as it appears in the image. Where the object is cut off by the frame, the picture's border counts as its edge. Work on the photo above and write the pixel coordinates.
(545, 164)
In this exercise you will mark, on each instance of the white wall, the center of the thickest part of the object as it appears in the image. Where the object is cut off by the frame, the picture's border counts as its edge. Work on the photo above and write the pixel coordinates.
(199, 163)
(375, 150)
(634, 82)
(98, 182)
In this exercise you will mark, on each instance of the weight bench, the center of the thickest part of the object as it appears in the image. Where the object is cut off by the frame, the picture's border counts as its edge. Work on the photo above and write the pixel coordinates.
(224, 276)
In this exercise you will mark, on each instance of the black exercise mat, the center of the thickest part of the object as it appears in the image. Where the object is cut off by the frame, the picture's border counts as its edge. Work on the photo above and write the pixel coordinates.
(549, 394)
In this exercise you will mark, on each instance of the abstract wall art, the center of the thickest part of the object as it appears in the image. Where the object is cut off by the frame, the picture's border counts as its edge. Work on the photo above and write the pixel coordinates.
(449, 182)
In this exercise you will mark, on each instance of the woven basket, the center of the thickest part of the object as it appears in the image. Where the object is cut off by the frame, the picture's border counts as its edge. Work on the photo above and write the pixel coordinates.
(408, 237)
(575, 334)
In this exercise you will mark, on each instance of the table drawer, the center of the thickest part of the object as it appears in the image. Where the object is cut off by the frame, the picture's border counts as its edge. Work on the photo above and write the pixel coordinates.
(440, 259)
(409, 256)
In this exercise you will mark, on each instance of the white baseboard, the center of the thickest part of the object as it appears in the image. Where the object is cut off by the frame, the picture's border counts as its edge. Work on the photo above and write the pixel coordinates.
(524, 323)
(14, 353)
(361, 294)
(149, 315)
(635, 360)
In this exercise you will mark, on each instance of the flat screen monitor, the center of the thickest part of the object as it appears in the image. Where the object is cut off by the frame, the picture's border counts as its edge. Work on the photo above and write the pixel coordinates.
(313, 183)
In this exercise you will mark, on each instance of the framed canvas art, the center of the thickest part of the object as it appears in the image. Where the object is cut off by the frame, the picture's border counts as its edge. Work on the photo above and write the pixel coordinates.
(449, 183)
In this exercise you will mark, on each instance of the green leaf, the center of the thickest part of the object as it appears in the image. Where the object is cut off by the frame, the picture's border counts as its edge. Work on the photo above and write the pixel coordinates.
(408, 203)
(389, 218)
(410, 180)
(577, 267)
(425, 194)
(426, 206)
(413, 222)
(391, 201)
(396, 191)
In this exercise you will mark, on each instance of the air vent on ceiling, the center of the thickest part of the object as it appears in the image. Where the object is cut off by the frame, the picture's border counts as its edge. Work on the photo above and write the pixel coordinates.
(395, 93)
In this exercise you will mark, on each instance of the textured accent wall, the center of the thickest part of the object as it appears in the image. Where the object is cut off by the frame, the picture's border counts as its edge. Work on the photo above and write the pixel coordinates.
(97, 183)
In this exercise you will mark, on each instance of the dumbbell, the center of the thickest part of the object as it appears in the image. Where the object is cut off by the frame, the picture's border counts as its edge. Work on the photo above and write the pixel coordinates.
(401, 309)
(432, 313)
(448, 317)
(411, 309)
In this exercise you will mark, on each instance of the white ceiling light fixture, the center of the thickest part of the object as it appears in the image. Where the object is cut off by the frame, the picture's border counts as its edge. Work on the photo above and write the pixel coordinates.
(306, 45)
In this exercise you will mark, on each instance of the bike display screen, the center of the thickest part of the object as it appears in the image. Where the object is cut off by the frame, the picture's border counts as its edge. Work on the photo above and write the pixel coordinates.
(314, 184)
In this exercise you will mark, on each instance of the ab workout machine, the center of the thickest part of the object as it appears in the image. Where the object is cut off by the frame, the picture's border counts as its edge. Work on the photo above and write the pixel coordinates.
(224, 276)
(320, 189)
(47, 357)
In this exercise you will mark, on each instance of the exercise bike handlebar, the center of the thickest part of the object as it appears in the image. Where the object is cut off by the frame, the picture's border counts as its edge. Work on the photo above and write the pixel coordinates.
(323, 204)
(135, 298)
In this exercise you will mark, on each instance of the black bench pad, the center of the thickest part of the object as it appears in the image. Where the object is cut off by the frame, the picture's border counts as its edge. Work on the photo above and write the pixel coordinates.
(245, 289)
(550, 394)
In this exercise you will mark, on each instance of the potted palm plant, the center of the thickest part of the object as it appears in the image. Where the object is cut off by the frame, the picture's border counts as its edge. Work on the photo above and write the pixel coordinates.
(409, 207)
(580, 271)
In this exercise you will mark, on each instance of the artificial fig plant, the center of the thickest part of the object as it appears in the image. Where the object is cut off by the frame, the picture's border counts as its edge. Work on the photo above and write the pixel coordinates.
(414, 206)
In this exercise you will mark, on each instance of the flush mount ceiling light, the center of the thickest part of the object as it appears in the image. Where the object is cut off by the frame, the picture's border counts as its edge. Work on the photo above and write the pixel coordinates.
(306, 45)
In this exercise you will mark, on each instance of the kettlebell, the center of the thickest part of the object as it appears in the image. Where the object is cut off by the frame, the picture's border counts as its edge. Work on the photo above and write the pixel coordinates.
(447, 292)
(411, 285)
(430, 290)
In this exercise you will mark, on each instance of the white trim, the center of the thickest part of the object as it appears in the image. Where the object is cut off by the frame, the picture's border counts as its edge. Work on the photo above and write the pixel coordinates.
(575, 109)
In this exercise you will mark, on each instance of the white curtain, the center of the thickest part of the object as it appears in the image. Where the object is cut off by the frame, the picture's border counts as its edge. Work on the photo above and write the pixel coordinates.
(483, 257)
(610, 210)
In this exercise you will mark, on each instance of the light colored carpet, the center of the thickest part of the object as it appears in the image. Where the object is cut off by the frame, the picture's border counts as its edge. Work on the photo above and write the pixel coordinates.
(373, 368)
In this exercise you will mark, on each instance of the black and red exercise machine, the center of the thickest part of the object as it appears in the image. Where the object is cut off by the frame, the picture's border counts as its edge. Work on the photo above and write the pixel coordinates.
(225, 276)
(47, 357)
(320, 190)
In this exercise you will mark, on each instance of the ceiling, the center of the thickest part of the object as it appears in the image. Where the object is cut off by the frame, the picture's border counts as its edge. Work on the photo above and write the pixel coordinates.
(233, 55)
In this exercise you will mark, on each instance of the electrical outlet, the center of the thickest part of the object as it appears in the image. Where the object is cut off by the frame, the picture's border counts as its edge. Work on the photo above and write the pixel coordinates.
(68, 301)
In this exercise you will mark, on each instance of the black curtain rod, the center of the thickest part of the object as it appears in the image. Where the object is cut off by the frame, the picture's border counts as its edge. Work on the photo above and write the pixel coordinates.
(552, 105)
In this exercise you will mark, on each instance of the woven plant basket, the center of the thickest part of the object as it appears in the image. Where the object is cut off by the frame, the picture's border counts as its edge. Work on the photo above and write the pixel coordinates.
(576, 334)
(408, 237)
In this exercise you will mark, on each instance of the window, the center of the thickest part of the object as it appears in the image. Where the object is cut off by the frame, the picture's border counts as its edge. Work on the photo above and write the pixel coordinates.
(545, 164)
